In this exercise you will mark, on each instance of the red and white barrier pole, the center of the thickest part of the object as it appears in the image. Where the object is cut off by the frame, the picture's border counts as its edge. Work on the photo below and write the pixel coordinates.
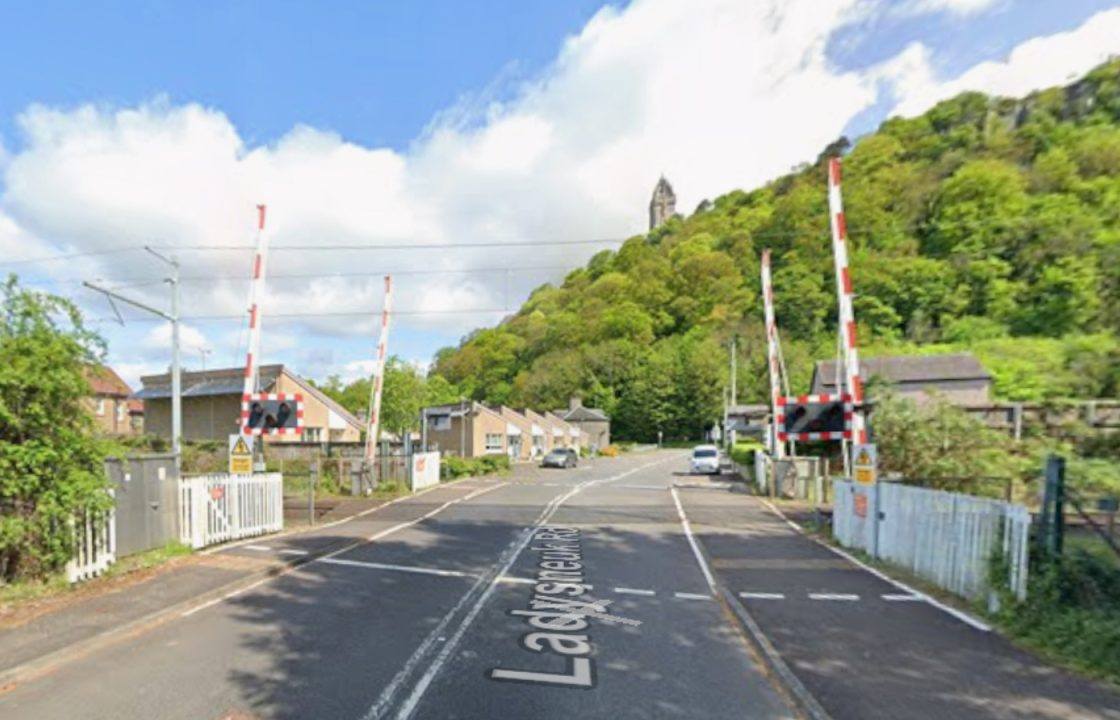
(374, 426)
(850, 351)
(256, 295)
(777, 447)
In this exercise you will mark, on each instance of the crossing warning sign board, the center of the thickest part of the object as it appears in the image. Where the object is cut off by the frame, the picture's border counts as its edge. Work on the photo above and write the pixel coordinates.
(240, 454)
(865, 460)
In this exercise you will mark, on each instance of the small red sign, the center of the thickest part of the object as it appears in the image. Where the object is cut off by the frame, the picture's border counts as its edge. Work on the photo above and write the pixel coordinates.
(217, 492)
(861, 506)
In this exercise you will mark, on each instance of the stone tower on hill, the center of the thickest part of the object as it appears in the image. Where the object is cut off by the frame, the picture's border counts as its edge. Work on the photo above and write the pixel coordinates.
(663, 204)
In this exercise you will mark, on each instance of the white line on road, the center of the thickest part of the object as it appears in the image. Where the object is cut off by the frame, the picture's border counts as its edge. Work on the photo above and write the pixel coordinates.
(398, 568)
(692, 541)
(958, 614)
(848, 597)
(292, 551)
(691, 596)
(762, 596)
(633, 591)
(258, 548)
(900, 597)
(509, 580)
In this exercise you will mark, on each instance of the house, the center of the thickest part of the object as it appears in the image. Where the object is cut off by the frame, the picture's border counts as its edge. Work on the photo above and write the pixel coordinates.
(464, 429)
(519, 433)
(959, 378)
(541, 440)
(109, 402)
(592, 421)
(561, 431)
(212, 406)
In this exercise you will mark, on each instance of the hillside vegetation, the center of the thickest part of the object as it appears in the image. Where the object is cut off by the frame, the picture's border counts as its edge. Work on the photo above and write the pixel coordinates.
(987, 224)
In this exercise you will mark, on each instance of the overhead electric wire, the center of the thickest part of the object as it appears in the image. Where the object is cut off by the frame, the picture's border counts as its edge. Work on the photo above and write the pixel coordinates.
(372, 314)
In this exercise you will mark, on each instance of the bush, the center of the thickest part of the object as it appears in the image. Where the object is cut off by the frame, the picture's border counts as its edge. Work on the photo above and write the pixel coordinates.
(452, 467)
(1072, 612)
(743, 453)
(609, 451)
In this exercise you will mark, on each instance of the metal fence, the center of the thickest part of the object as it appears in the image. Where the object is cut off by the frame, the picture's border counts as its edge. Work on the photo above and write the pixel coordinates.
(217, 508)
(946, 538)
(95, 545)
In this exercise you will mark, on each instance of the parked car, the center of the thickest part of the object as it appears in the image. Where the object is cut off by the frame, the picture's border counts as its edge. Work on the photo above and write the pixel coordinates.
(561, 458)
(705, 460)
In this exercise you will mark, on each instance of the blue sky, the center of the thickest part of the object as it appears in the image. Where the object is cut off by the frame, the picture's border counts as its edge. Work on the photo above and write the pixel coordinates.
(168, 120)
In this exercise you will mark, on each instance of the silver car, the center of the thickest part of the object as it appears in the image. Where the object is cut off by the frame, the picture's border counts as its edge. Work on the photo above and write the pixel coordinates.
(705, 460)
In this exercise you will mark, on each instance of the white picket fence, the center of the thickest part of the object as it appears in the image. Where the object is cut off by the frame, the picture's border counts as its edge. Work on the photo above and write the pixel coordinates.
(221, 507)
(946, 538)
(95, 545)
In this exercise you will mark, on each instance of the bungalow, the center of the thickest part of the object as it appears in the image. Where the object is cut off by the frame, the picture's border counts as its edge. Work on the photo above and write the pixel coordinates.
(519, 433)
(465, 429)
(212, 406)
(541, 440)
(959, 378)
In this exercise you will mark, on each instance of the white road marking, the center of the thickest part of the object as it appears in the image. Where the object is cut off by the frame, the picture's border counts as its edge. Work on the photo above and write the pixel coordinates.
(692, 541)
(903, 597)
(398, 568)
(958, 614)
(633, 591)
(641, 487)
(258, 548)
(510, 580)
(381, 707)
(691, 596)
(292, 551)
(762, 596)
(834, 596)
(345, 548)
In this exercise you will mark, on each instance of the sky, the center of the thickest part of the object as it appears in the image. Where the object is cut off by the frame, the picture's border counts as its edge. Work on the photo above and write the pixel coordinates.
(441, 129)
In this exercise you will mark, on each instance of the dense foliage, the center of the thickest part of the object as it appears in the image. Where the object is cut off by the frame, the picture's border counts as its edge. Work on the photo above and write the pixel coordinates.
(987, 223)
(50, 461)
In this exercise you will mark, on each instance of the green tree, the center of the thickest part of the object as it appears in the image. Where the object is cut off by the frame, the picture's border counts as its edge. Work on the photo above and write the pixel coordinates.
(50, 462)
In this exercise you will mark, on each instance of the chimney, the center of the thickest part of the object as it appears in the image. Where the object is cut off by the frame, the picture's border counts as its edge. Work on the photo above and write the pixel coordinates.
(575, 402)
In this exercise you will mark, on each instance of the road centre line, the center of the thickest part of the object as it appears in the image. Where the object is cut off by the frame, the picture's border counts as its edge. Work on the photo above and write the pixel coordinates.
(633, 591)
(833, 596)
(259, 548)
(900, 597)
(762, 595)
(958, 614)
(292, 551)
(381, 707)
(691, 596)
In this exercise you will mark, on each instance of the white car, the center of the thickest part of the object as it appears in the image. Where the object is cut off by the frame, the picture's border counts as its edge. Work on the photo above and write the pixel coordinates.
(705, 460)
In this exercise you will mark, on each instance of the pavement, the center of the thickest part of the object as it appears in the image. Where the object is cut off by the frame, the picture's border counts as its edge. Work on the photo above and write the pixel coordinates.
(621, 588)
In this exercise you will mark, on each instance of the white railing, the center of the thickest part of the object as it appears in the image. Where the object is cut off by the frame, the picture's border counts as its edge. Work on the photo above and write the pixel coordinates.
(95, 545)
(946, 538)
(218, 508)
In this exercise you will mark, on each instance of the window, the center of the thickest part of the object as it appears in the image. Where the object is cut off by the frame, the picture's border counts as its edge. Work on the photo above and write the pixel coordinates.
(493, 442)
(311, 434)
(100, 406)
(122, 410)
(440, 422)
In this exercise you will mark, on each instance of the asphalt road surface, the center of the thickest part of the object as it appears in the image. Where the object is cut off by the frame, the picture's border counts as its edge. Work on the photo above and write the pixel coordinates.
(546, 594)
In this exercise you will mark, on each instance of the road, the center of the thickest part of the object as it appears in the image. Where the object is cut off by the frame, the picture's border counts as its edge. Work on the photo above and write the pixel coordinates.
(455, 604)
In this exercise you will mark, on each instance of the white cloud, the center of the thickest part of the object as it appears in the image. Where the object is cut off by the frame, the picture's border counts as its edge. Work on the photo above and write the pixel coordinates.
(1037, 63)
(955, 7)
(717, 94)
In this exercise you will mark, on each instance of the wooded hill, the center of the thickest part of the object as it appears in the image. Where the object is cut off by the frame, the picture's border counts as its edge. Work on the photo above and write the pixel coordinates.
(987, 224)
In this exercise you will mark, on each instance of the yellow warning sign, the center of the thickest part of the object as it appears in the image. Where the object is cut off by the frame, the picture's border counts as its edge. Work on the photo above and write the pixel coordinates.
(864, 464)
(240, 454)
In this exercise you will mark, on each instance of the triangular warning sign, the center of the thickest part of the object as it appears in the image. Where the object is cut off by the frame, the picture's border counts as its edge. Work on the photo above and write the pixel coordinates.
(240, 448)
(863, 459)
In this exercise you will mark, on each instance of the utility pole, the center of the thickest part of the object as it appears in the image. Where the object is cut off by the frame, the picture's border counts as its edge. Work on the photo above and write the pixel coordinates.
(173, 318)
(734, 392)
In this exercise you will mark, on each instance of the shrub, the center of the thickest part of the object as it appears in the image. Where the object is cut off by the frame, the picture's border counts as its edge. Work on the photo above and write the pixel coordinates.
(609, 451)
(743, 453)
(453, 467)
